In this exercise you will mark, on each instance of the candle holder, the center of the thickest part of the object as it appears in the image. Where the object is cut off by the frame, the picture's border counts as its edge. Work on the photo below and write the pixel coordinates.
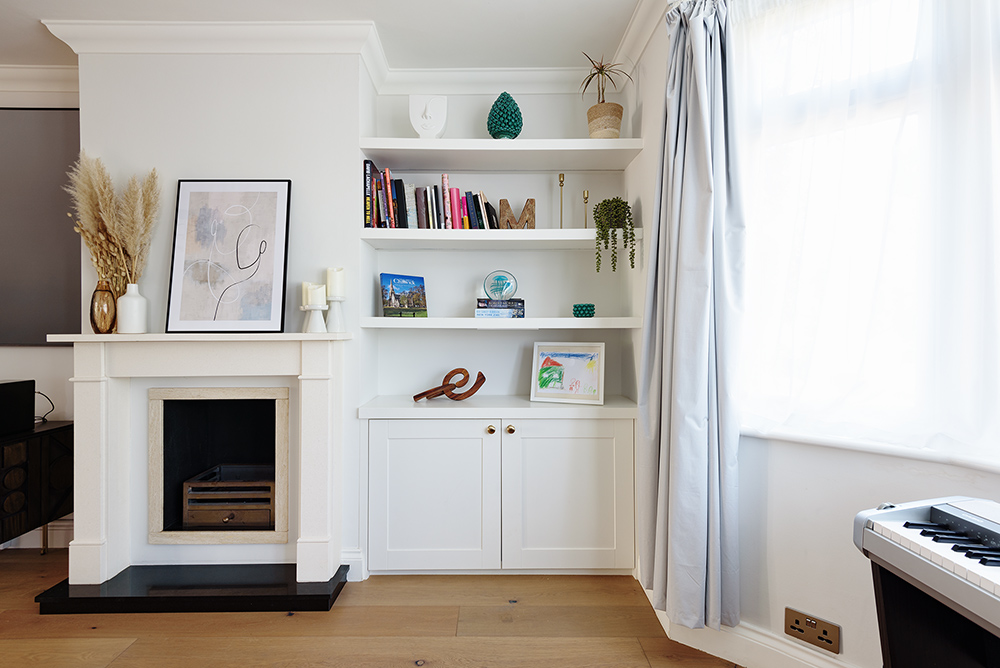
(313, 322)
(335, 316)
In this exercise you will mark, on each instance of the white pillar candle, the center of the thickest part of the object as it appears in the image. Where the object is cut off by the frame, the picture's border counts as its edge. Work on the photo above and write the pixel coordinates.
(305, 293)
(317, 294)
(335, 282)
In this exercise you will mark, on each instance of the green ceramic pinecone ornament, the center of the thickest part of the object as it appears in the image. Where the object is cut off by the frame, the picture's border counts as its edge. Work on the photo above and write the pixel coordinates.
(505, 118)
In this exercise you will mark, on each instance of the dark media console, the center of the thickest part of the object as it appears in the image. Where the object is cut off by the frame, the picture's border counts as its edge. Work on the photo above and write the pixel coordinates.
(36, 478)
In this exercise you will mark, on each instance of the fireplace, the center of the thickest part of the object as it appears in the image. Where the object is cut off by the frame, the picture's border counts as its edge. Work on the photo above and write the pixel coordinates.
(218, 465)
(113, 378)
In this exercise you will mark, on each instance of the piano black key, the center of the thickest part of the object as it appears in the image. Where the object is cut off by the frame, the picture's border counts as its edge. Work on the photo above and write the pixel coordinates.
(979, 554)
(986, 561)
(942, 532)
(950, 539)
(924, 525)
(963, 547)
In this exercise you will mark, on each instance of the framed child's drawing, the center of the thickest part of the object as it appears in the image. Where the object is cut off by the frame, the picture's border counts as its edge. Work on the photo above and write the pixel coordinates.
(568, 373)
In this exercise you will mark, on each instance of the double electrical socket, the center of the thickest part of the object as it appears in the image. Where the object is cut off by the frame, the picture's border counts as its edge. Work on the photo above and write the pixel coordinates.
(813, 630)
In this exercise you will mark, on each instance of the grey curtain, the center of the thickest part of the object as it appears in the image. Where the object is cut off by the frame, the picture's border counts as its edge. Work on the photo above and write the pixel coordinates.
(689, 427)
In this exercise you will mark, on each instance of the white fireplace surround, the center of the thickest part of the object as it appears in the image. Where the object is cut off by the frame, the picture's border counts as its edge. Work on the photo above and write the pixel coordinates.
(111, 376)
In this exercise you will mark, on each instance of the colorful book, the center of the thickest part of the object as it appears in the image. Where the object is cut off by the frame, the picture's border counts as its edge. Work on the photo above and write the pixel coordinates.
(473, 218)
(499, 313)
(368, 171)
(390, 214)
(480, 212)
(383, 216)
(483, 302)
(446, 194)
(431, 209)
(410, 195)
(465, 215)
(456, 208)
(403, 296)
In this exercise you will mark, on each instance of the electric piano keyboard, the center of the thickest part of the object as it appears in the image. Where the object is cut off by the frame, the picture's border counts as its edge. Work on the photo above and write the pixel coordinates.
(944, 549)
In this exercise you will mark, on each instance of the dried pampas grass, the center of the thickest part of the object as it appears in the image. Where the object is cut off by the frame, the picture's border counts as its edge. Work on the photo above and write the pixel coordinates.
(116, 229)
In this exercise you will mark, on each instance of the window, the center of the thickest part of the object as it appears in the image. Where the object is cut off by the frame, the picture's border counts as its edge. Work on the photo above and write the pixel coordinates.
(871, 175)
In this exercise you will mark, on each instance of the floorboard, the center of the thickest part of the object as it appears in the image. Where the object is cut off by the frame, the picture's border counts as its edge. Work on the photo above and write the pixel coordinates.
(439, 621)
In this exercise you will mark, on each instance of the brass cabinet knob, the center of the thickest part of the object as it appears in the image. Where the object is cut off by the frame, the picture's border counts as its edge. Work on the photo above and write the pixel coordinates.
(491, 430)
(232, 516)
(510, 429)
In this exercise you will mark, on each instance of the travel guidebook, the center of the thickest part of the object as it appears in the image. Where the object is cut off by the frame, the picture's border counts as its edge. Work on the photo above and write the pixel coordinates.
(403, 296)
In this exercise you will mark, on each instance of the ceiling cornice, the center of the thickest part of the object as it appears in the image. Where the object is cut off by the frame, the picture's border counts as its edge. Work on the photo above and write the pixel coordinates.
(646, 19)
(214, 37)
(39, 86)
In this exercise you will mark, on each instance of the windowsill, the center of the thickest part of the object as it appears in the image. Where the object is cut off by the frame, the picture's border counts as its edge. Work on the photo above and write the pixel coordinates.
(872, 448)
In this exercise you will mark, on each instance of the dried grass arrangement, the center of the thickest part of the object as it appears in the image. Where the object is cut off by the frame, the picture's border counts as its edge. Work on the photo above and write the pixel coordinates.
(116, 228)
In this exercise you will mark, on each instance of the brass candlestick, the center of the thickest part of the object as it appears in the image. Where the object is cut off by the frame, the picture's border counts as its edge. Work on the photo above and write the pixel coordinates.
(586, 195)
(562, 178)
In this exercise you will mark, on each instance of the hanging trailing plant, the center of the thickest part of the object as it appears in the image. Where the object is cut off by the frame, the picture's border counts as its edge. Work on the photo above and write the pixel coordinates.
(610, 215)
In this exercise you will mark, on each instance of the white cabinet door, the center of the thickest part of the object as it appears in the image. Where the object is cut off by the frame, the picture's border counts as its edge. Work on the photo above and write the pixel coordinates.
(568, 494)
(434, 494)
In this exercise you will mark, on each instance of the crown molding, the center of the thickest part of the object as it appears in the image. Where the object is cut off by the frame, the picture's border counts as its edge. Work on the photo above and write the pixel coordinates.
(39, 86)
(215, 37)
(646, 19)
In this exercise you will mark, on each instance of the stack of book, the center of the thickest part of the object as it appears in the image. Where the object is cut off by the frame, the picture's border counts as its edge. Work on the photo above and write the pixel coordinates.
(500, 308)
(389, 202)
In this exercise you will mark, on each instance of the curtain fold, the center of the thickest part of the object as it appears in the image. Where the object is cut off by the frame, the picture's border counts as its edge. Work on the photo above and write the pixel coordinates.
(689, 425)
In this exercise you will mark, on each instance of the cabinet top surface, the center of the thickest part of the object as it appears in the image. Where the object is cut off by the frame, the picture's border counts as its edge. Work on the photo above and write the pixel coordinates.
(492, 407)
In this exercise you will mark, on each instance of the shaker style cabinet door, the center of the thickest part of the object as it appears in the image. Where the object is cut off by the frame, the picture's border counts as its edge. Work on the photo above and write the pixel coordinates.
(434, 494)
(568, 494)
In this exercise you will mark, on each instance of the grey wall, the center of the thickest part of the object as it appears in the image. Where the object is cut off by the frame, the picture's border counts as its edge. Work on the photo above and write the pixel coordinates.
(39, 252)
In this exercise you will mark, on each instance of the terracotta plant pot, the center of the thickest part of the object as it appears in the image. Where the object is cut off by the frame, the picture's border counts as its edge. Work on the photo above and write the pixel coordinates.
(604, 120)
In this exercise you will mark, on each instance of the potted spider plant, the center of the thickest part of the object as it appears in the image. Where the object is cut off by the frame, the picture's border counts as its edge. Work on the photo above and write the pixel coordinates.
(610, 215)
(604, 119)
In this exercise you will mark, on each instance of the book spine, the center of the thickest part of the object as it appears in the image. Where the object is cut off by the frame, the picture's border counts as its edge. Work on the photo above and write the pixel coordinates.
(499, 303)
(446, 194)
(438, 208)
(480, 215)
(481, 210)
(421, 196)
(410, 195)
(399, 203)
(387, 189)
(465, 215)
(382, 217)
(366, 174)
(471, 206)
(499, 313)
(456, 208)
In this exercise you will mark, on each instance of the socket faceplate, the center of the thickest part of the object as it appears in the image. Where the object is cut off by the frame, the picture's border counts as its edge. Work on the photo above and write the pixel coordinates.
(813, 630)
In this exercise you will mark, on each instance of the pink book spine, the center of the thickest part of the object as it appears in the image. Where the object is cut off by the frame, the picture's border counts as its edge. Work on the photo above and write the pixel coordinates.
(448, 221)
(456, 213)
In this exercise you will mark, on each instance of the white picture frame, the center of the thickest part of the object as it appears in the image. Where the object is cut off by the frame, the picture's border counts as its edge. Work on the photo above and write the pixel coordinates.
(569, 373)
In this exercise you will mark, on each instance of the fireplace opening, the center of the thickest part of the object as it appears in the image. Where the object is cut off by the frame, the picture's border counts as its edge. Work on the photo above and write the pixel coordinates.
(209, 447)
(218, 464)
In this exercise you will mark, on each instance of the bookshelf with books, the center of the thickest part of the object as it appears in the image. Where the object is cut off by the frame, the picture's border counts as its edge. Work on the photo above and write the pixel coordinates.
(554, 266)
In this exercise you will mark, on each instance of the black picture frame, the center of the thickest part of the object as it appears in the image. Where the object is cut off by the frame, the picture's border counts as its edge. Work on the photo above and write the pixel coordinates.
(229, 264)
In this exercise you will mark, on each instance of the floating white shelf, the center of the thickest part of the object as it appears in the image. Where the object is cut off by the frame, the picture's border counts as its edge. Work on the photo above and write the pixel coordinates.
(544, 240)
(499, 155)
(502, 323)
(492, 407)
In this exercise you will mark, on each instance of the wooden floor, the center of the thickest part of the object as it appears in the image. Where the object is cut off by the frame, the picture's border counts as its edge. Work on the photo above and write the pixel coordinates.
(438, 621)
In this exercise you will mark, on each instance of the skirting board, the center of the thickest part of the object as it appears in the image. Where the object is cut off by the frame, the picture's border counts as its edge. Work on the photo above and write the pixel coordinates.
(60, 534)
(748, 645)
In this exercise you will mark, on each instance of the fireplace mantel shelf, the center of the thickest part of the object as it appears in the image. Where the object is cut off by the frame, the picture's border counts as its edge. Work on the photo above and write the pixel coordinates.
(199, 338)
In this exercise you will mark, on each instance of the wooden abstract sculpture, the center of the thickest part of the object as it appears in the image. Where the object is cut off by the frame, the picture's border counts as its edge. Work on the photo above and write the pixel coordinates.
(449, 384)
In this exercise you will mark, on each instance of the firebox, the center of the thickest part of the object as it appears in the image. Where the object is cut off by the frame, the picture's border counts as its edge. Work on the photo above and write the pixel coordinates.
(218, 465)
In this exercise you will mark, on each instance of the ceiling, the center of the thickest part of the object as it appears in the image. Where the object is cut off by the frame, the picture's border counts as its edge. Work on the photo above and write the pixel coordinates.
(415, 34)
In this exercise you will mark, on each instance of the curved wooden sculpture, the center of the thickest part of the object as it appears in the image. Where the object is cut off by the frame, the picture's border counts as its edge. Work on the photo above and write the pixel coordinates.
(449, 384)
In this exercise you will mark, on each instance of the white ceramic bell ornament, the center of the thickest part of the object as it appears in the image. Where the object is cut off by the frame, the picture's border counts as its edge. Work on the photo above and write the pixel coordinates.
(428, 114)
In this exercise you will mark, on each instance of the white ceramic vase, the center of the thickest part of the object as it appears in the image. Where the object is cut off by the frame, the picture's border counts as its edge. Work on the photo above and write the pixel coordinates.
(132, 310)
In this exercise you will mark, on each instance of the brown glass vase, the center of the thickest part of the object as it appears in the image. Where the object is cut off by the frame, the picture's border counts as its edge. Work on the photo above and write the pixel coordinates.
(102, 308)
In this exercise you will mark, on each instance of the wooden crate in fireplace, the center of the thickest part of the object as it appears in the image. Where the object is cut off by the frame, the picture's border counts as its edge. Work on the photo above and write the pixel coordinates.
(230, 496)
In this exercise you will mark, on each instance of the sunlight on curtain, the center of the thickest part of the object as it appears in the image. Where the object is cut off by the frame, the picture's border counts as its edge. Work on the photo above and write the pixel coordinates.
(871, 145)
